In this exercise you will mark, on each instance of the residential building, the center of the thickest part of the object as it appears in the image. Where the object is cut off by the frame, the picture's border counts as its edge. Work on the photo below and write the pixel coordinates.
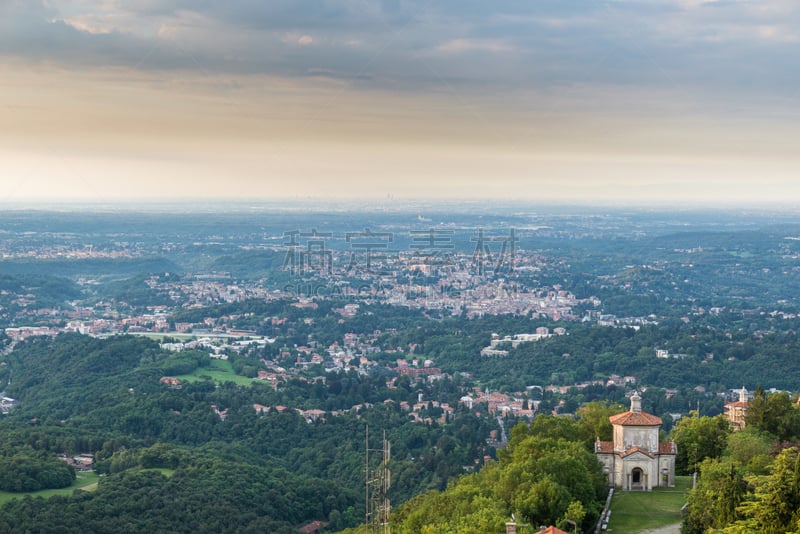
(737, 411)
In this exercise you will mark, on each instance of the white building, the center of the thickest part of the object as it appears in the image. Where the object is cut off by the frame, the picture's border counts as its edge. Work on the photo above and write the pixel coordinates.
(635, 460)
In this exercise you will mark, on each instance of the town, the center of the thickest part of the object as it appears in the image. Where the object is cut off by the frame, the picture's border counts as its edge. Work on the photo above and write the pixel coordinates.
(284, 349)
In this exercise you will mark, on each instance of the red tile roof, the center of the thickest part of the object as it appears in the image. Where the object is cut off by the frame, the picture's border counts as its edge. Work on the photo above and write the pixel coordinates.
(635, 419)
(606, 447)
(667, 448)
(313, 527)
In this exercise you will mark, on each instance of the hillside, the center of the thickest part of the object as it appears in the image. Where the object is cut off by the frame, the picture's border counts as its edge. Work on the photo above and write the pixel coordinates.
(230, 468)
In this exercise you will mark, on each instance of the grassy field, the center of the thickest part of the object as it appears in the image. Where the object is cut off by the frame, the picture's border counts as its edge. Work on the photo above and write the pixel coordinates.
(86, 480)
(635, 511)
(219, 371)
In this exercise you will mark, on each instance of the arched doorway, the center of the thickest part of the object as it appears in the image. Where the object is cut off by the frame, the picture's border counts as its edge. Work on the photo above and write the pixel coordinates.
(637, 479)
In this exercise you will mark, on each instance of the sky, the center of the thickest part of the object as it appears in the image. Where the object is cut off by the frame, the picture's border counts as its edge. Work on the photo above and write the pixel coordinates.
(563, 101)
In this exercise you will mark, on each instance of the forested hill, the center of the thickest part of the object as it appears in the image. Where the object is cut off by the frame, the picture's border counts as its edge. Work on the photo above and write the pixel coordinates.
(548, 475)
(198, 457)
(80, 394)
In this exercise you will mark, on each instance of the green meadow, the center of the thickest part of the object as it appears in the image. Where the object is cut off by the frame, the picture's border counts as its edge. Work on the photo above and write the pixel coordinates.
(219, 371)
(85, 480)
(635, 511)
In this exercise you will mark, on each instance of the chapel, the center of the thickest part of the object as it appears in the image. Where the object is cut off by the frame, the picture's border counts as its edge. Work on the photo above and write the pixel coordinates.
(635, 460)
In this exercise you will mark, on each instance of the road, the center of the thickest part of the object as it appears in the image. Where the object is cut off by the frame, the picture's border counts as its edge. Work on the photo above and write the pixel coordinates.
(503, 436)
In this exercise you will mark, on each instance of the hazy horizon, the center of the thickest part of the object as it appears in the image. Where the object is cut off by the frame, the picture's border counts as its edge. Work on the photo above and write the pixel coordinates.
(366, 205)
(622, 102)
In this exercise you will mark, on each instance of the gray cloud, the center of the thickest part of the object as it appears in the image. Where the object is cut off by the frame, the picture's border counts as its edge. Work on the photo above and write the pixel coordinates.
(414, 44)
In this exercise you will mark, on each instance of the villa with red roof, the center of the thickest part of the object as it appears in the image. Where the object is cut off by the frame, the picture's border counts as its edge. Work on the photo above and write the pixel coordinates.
(635, 460)
(736, 412)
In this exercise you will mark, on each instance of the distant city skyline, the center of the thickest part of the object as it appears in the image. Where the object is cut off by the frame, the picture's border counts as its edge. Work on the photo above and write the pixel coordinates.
(607, 102)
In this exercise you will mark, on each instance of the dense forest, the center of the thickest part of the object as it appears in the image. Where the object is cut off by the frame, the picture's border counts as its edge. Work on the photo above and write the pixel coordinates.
(246, 472)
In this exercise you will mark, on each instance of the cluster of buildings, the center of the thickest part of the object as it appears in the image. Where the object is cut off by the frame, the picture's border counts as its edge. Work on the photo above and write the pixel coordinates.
(516, 340)
(66, 251)
(496, 403)
(664, 354)
(6, 403)
(80, 462)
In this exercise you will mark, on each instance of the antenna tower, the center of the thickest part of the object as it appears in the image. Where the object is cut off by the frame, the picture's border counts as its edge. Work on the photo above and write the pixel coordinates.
(378, 479)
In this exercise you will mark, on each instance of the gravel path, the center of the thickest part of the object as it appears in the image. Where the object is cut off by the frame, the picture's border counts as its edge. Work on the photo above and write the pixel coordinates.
(669, 529)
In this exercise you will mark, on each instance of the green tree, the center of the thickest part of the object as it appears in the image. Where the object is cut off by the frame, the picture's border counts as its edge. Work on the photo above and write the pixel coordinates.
(757, 409)
(777, 505)
(594, 418)
(774, 413)
(713, 504)
(750, 447)
(699, 438)
(574, 515)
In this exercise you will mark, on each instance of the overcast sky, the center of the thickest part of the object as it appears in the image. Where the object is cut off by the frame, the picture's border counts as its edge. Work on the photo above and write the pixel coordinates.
(616, 101)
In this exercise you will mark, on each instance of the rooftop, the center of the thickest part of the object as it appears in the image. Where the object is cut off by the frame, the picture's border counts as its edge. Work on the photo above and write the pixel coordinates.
(635, 419)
